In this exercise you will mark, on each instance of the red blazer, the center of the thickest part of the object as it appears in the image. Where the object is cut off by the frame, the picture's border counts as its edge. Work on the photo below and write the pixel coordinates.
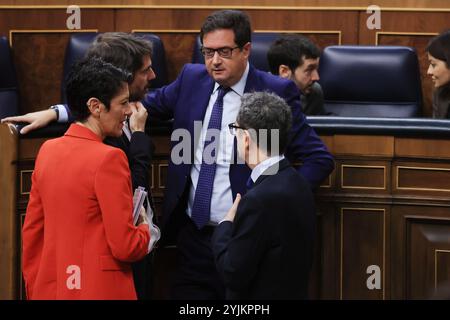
(78, 236)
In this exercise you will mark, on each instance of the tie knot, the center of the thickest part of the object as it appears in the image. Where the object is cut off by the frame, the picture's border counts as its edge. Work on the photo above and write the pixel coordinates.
(223, 91)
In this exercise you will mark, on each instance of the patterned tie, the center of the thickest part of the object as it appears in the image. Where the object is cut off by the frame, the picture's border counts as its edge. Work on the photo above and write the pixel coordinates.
(202, 200)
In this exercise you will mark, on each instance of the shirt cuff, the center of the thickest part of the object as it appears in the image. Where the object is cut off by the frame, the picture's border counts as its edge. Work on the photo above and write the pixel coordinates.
(63, 115)
(224, 220)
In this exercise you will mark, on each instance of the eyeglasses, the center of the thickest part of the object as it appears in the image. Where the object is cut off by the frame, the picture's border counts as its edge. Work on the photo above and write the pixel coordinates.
(224, 52)
(233, 128)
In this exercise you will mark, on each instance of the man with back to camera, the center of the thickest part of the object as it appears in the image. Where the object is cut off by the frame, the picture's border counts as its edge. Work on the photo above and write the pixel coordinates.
(264, 246)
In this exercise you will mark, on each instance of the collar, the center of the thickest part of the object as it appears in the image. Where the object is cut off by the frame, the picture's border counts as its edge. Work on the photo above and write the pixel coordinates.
(239, 87)
(264, 165)
(78, 131)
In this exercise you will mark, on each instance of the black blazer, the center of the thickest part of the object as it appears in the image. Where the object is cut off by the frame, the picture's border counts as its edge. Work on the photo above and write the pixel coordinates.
(139, 151)
(267, 252)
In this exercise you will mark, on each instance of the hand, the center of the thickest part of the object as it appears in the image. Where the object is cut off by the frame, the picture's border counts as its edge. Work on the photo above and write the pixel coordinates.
(138, 118)
(36, 120)
(232, 212)
(142, 217)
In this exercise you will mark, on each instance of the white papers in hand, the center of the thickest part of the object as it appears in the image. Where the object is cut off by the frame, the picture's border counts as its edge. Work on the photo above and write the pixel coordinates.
(138, 201)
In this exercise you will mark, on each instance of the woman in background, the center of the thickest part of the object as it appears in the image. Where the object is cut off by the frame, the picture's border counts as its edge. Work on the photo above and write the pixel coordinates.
(439, 57)
(78, 236)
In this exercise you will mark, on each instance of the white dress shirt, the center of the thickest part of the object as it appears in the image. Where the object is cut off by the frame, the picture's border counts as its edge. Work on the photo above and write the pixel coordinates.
(264, 165)
(221, 198)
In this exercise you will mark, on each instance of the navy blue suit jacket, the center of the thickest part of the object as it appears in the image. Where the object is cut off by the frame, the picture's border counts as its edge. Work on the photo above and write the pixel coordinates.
(186, 100)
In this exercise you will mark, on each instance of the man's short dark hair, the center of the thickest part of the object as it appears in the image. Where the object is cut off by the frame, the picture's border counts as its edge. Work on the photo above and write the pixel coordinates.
(236, 20)
(291, 50)
(124, 50)
(264, 110)
(93, 78)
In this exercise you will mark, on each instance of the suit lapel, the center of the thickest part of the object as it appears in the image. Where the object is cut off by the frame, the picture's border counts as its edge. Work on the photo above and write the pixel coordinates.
(252, 81)
(201, 98)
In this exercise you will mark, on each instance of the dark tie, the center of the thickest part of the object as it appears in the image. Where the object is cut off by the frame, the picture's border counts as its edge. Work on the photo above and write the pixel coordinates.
(250, 183)
(202, 200)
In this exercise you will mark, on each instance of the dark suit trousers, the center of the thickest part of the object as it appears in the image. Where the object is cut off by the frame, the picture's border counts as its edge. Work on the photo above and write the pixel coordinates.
(196, 277)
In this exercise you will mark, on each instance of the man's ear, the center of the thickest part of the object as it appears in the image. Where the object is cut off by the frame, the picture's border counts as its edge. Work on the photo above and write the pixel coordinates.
(246, 49)
(247, 139)
(284, 71)
(94, 106)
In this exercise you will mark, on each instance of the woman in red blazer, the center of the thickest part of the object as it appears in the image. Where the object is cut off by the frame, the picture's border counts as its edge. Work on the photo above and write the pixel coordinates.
(78, 236)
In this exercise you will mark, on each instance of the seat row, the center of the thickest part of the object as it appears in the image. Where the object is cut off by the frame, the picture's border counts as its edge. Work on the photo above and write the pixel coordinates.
(357, 81)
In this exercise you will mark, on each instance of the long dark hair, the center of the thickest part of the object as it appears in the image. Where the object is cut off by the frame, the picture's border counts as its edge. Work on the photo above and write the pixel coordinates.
(439, 48)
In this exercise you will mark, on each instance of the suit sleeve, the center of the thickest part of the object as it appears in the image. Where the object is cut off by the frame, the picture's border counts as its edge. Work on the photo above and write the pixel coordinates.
(232, 243)
(32, 237)
(70, 117)
(160, 103)
(140, 158)
(305, 145)
(113, 190)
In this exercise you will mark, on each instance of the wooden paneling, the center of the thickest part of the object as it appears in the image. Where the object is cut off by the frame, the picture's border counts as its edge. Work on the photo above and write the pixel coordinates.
(364, 176)
(8, 223)
(364, 144)
(328, 267)
(179, 49)
(402, 4)
(422, 178)
(54, 19)
(419, 245)
(363, 244)
(426, 148)
(38, 39)
(426, 237)
(39, 70)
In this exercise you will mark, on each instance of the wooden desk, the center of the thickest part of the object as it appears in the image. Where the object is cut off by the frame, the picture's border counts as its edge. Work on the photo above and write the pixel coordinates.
(385, 208)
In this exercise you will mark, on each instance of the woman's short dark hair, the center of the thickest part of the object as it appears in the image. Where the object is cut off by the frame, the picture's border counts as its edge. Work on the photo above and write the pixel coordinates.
(236, 20)
(93, 78)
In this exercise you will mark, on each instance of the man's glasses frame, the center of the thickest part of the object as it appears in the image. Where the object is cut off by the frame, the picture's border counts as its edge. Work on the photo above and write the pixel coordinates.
(232, 127)
(224, 52)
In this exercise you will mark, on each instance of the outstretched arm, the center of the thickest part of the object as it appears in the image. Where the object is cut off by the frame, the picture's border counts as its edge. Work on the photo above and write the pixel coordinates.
(39, 119)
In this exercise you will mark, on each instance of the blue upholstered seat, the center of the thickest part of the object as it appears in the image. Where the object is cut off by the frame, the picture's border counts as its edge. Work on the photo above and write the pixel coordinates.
(371, 81)
(9, 100)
